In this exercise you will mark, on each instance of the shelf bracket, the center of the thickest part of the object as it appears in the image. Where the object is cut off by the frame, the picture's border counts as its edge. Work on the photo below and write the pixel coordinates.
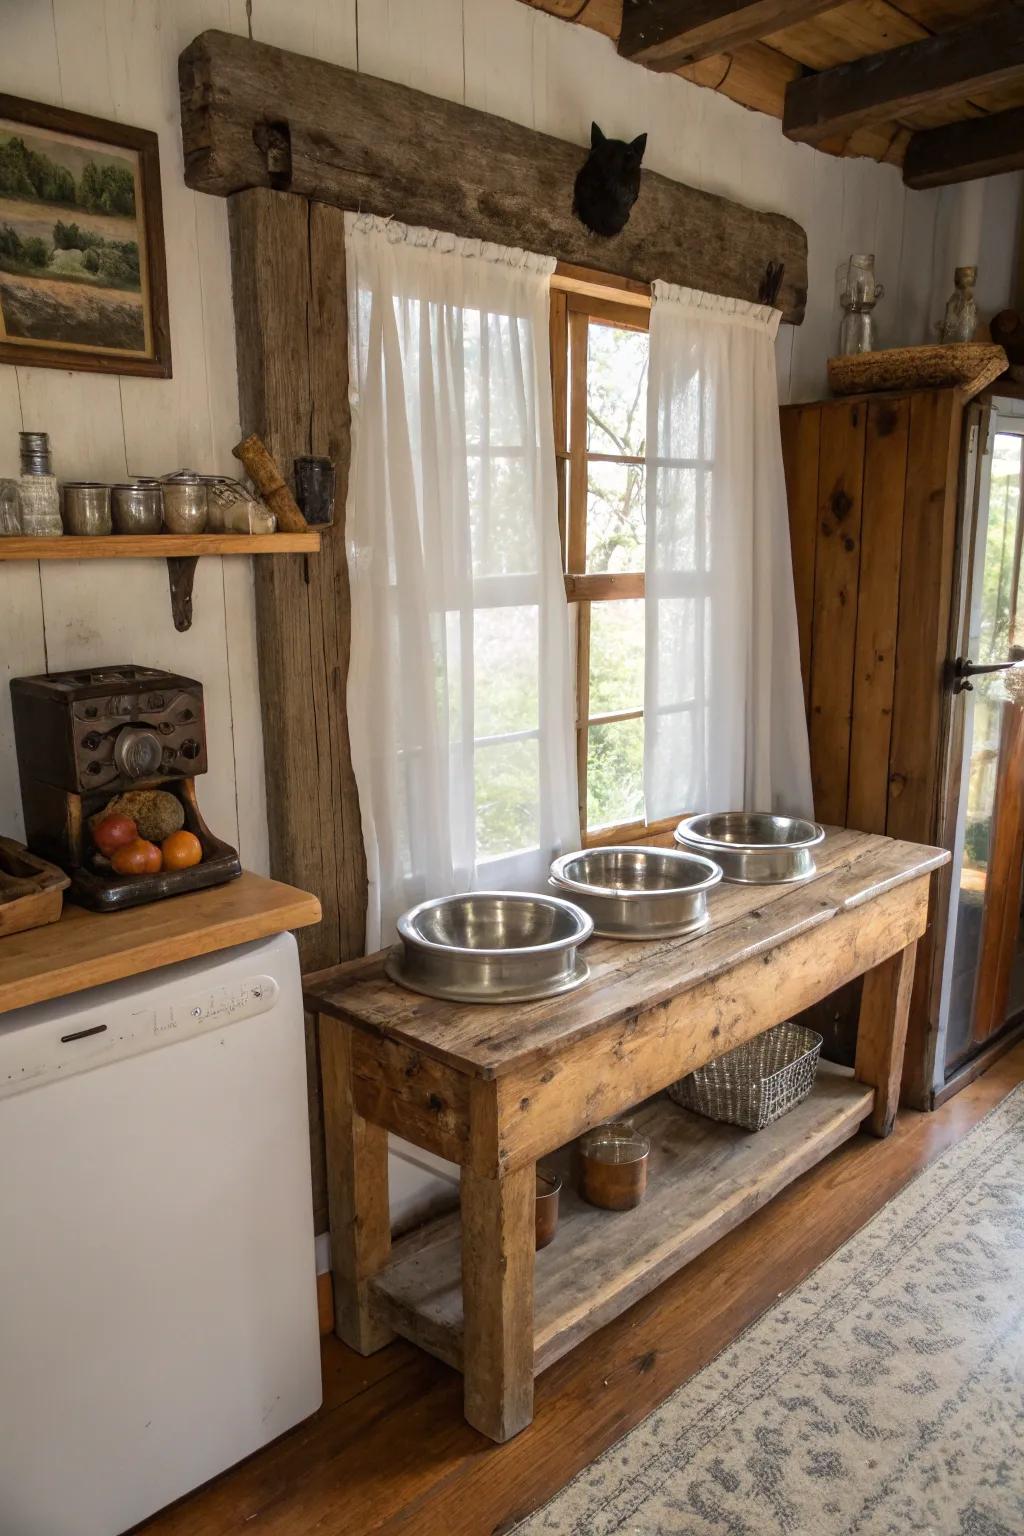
(181, 570)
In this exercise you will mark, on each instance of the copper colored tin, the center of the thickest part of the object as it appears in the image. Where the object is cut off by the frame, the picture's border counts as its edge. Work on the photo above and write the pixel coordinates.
(549, 1186)
(613, 1164)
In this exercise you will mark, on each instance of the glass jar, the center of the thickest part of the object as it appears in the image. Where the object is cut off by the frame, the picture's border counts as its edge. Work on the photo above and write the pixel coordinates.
(10, 509)
(185, 503)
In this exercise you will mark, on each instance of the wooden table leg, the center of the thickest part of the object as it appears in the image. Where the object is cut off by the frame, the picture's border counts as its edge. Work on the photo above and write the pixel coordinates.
(497, 1300)
(882, 1034)
(357, 1193)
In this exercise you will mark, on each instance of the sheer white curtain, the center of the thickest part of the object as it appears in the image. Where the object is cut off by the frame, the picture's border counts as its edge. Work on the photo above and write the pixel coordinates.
(724, 714)
(459, 693)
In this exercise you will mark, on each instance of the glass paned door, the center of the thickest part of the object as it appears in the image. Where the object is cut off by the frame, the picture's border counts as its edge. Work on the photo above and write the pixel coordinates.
(985, 958)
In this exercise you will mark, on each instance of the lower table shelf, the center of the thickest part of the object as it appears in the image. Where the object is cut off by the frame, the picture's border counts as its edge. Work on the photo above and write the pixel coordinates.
(704, 1179)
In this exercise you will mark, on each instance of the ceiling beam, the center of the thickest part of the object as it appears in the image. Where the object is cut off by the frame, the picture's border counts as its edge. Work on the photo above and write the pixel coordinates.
(983, 56)
(978, 146)
(667, 34)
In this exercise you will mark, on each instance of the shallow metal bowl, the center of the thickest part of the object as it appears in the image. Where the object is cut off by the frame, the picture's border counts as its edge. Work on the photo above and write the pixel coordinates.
(754, 847)
(491, 947)
(638, 893)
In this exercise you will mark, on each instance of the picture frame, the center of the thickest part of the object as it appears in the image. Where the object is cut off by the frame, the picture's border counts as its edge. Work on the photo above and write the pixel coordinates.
(83, 271)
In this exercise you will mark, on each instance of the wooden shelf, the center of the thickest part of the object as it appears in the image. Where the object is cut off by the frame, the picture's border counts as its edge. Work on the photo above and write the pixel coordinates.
(128, 546)
(704, 1179)
(85, 949)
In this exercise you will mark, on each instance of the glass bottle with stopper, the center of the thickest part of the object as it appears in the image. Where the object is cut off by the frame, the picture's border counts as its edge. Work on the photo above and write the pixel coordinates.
(961, 320)
(858, 294)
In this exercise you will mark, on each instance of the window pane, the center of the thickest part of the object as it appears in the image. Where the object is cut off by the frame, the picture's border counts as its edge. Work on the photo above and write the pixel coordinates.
(616, 390)
(501, 506)
(505, 661)
(616, 517)
(616, 657)
(507, 798)
(615, 773)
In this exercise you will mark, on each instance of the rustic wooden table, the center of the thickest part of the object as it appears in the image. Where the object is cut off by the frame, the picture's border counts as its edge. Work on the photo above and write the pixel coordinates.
(497, 1088)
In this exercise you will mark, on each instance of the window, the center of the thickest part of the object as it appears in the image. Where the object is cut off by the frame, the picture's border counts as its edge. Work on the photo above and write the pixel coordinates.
(599, 349)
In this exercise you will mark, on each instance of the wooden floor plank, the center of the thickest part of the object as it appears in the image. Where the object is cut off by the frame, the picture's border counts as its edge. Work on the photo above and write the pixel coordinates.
(390, 1454)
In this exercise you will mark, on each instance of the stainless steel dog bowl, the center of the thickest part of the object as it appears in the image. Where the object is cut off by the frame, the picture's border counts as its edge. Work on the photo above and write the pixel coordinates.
(491, 947)
(754, 847)
(638, 893)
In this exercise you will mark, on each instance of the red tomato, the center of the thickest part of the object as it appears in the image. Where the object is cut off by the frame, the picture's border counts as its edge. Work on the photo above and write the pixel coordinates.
(137, 858)
(114, 832)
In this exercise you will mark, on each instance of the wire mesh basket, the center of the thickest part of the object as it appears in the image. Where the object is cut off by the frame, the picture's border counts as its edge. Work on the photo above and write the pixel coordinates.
(757, 1082)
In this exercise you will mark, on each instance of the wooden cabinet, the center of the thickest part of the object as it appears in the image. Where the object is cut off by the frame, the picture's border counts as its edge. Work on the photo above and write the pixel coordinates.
(873, 507)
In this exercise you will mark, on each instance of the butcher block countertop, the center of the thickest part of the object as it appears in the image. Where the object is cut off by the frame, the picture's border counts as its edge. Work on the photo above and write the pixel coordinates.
(85, 949)
(625, 978)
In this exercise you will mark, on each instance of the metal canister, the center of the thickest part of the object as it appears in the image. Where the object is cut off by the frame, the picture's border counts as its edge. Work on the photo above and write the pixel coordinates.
(34, 448)
(137, 506)
(185, 504)
(86, 508)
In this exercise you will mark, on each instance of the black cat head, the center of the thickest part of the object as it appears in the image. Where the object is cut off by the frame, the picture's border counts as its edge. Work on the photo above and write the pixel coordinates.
(608, 183)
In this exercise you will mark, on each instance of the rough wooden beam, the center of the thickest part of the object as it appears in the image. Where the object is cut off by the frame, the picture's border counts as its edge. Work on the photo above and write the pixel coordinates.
(978, 146)
(983, 56)
(358, 142)
(666, 34)
(288, 283)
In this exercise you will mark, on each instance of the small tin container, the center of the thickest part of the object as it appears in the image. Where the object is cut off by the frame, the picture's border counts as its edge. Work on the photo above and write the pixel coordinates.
(137, 506)
(186, 509)
(34, 448)
(613, 1166)
(549, 1187)
(86, 508)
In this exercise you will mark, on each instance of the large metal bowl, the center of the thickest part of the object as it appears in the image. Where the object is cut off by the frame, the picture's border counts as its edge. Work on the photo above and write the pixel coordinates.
(638, 893)
(754, 847)
(491, 947)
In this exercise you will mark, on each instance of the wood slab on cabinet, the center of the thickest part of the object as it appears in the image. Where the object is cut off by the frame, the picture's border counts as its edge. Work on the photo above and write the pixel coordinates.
(86, 949)
(496, 1088)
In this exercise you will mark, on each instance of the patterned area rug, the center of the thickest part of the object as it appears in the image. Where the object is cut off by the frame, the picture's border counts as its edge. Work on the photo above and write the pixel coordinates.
(883, 1397)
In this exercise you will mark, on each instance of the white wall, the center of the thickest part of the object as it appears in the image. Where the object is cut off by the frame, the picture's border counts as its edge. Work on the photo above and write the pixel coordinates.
(117, 59)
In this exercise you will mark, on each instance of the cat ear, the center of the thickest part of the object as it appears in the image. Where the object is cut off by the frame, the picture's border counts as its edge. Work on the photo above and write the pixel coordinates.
(638, 146)
(596, 136)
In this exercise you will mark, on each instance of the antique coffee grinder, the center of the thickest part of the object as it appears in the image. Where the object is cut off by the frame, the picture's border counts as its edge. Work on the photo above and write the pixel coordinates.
(123, 740)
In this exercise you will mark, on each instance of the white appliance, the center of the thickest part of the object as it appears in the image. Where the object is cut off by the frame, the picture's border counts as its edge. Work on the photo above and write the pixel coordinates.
(158, 1315)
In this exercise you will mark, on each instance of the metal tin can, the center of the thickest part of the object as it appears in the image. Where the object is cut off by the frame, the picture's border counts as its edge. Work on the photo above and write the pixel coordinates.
(137, 506)
(185, 503)
(86, 508)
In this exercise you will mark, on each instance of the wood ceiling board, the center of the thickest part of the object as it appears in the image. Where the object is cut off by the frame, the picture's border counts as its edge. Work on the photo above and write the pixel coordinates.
(943, 15)
(948, 67)
(353, 138)
(664, 34)
(754, 76)
(983, 146)
(856, 29)
(940, 114)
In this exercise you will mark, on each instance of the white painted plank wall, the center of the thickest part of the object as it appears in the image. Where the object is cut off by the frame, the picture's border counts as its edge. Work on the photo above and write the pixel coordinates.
(117, 58)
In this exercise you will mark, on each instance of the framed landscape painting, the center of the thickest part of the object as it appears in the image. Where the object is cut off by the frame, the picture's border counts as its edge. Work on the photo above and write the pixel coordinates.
(83, 277)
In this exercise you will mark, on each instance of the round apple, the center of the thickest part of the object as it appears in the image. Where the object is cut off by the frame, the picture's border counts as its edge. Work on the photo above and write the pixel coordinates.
(114, 832)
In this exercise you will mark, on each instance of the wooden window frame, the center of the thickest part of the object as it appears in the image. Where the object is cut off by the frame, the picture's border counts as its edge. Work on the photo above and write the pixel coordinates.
(579, 297)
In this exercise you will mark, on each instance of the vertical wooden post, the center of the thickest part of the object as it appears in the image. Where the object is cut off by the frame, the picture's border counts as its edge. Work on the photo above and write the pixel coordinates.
(497, 1300)
(357, 1188)
(289, 288)
(882, 1034)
